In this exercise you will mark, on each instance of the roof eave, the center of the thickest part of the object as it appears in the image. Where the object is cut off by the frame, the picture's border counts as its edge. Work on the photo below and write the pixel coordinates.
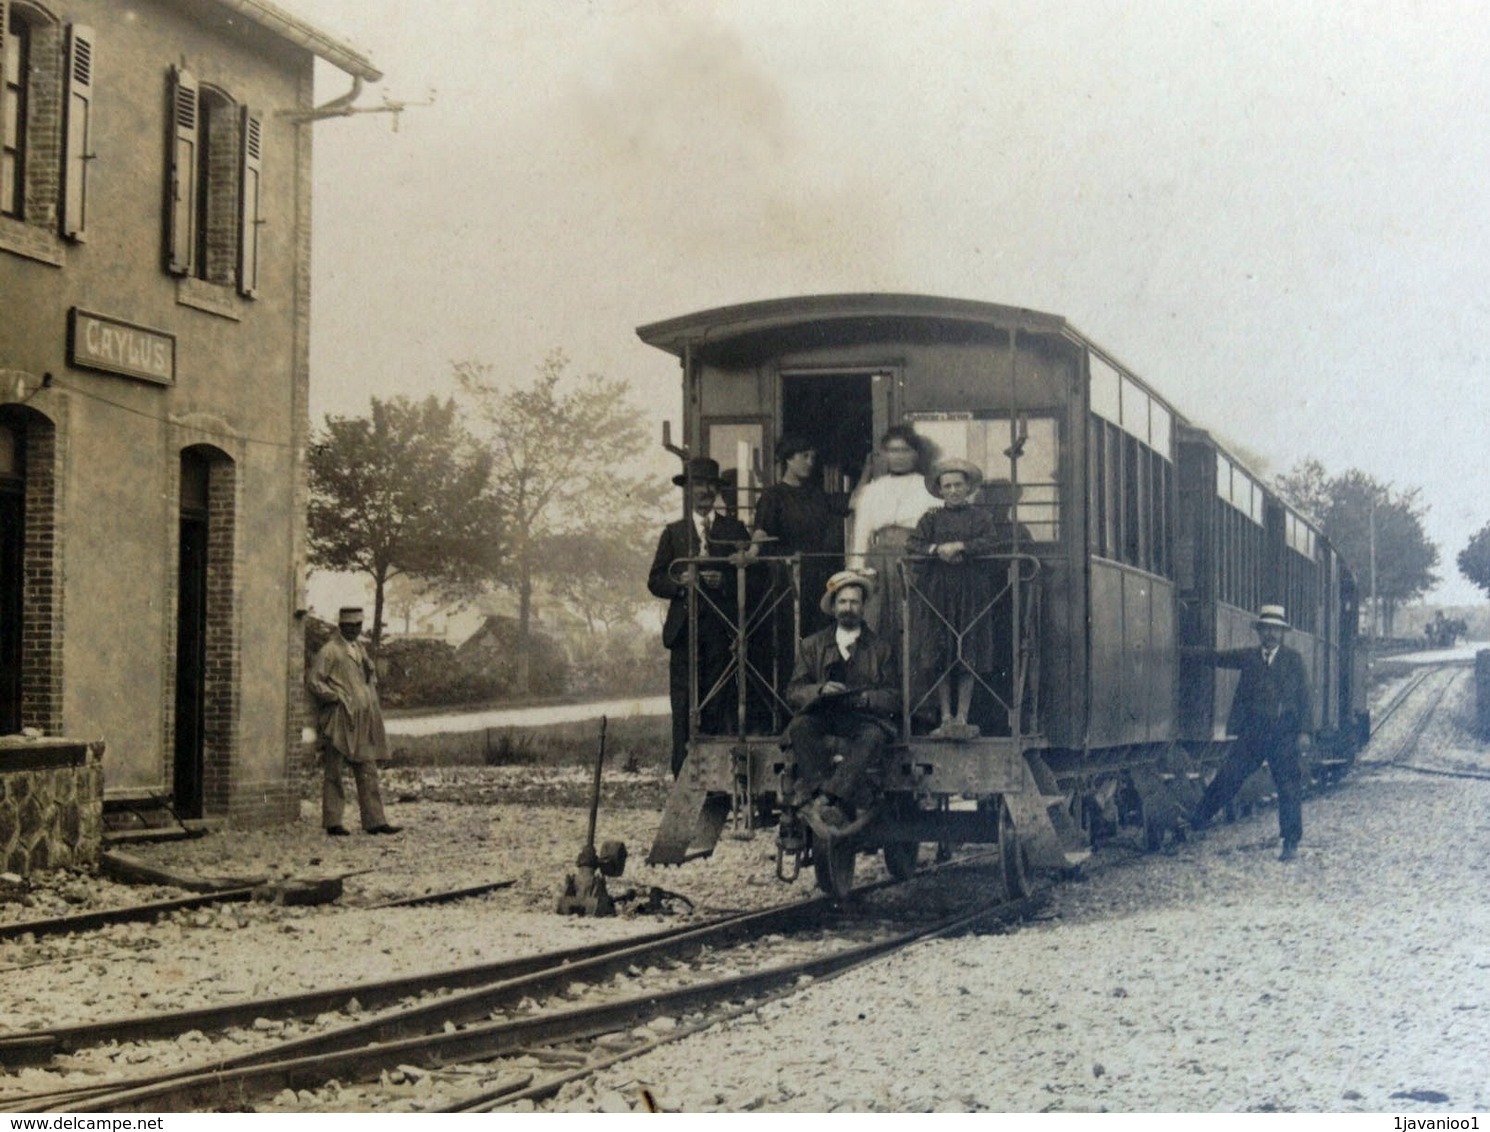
(302, 34)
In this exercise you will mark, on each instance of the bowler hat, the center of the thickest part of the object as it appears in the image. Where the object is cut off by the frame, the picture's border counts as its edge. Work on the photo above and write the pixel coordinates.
(1272, 615)
(699, 469)
(841, 579)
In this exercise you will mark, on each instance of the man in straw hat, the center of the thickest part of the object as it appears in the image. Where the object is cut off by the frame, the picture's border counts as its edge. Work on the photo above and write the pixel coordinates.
(703, 534)
(349, 725)
(1271, 716)
(845, 691)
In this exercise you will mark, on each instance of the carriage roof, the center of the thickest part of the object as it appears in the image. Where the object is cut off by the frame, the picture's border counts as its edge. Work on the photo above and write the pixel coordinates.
(780, 316)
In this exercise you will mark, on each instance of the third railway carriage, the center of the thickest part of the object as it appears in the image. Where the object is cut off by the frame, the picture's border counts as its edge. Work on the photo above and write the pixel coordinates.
(1136, 534)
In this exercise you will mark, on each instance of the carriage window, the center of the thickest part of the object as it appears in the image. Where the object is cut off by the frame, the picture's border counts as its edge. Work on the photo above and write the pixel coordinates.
(1132, 518)
(739, 448)
(1239, 533)
(988, 442)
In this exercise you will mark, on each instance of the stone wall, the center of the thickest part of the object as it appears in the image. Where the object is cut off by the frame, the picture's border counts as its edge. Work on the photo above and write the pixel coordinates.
(51, 804)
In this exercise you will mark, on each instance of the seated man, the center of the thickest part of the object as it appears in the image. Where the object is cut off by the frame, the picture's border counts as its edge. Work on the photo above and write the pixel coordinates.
(845, 691)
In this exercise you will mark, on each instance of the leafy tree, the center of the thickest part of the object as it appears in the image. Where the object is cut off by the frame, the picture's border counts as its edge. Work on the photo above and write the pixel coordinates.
(1474, 559)
(1347, 508)
(561, 448)
(602, 569)
(402, 491)
(1307, 488)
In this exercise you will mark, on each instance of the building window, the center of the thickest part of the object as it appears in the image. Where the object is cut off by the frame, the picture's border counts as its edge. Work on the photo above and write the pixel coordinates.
(46, 101)
(213, 205)
(17, 66)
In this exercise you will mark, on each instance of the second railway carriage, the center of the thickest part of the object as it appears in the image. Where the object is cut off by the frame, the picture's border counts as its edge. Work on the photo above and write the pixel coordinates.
(1136, 534)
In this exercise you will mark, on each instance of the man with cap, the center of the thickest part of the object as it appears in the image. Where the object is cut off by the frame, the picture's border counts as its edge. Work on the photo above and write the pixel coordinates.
(349, 725)
(1271, 716)
(845, 690)
(703, 534)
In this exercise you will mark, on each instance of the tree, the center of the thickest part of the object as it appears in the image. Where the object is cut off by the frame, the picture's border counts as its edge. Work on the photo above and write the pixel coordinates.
(404, 490)
(560, 449)
(600, 579)
(1474, 559)
(1355, 511)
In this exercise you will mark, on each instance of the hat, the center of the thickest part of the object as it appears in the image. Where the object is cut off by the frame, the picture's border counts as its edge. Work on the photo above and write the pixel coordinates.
(699, 469)
(1272, 615)
(841, 579)
(953, 464)
(349, 615)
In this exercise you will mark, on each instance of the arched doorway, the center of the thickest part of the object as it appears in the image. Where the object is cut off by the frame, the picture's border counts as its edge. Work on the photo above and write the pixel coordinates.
(191, 635)
(12, 566)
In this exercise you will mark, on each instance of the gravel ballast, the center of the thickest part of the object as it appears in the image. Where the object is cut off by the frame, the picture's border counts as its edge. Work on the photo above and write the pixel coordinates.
(1211, 977)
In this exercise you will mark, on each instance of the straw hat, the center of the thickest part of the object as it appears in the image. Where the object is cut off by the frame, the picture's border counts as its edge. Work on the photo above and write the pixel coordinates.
(953, 464)
(1273, 615)
(841, 579)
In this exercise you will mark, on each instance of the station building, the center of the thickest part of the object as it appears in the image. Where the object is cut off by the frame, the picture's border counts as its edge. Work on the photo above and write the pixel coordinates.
(155, 234)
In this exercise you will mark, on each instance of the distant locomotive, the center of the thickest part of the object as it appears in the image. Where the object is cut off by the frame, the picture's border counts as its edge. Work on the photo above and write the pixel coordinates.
(1136, 534)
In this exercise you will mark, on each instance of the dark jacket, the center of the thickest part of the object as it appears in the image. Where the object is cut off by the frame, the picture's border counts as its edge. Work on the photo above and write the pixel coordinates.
(1270, 699)
(680, 540)
(871, 671)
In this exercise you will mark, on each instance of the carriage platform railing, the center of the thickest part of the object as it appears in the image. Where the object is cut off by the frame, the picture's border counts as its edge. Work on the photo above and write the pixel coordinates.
(767, 589)
(1019, 591)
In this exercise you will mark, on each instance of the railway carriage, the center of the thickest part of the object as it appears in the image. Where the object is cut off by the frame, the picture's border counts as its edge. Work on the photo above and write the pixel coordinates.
(1135, 534)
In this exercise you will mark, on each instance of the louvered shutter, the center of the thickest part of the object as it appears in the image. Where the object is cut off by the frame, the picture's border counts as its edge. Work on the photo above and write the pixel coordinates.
(78, 131)
(5, 168)
(181, 233)
(4, 34)
(249, 219)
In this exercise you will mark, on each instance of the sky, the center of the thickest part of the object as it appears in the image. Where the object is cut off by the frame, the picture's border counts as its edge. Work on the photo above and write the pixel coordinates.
(1274, 213)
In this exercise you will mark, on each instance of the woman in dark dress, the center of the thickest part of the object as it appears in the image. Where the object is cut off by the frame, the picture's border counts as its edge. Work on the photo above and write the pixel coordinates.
(960, 591)
(795, 516)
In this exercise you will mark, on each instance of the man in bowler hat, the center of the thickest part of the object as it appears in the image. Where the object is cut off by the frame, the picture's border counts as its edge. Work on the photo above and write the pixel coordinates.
(1271, 716)
(703, 534)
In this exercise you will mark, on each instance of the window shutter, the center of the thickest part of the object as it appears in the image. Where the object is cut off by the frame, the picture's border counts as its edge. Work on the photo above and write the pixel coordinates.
(181, 233)
(4, 31)
(77, 131)
(249, 220)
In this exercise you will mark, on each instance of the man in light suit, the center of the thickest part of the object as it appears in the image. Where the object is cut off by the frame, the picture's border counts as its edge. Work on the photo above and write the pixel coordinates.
(703, 534)
(1271, 716)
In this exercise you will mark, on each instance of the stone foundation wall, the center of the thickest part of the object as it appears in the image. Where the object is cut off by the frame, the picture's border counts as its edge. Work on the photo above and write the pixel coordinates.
(51, 805)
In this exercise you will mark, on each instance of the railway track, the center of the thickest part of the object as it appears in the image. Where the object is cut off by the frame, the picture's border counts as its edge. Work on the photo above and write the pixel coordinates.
(431, 1022)
(1435, 683)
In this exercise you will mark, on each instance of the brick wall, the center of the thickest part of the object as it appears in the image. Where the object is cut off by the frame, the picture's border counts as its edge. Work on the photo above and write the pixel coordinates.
(42, 613)
(44, 125)
(220, 740)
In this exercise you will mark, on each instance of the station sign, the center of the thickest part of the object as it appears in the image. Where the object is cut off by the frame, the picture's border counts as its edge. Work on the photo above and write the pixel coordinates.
(95, 341)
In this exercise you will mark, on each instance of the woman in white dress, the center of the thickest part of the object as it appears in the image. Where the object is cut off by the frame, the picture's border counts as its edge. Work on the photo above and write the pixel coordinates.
(886, 510)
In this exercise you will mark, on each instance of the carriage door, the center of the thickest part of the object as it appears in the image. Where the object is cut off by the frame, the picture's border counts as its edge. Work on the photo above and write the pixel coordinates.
(12, 549)
(191, 638)
(841, 414)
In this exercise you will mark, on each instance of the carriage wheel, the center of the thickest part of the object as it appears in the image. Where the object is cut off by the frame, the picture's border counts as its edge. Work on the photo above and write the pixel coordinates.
(900, 858)
(833, 861)
(1013, 862)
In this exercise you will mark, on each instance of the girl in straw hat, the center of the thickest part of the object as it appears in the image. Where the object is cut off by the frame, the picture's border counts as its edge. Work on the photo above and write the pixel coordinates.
(960, 591)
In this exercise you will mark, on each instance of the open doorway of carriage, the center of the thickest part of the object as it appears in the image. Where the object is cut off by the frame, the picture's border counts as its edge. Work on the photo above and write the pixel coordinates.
(838, 413)
(206, 664)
